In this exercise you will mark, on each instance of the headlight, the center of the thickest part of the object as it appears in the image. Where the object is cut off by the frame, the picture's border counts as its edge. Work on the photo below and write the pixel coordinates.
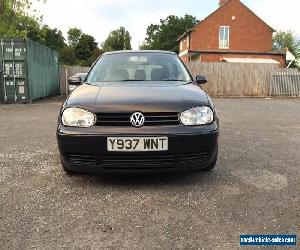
(197, 116)
(77, 117)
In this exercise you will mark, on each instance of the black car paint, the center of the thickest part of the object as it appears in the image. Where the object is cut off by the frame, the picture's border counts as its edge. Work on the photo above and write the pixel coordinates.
(138, 96)
(143, 96)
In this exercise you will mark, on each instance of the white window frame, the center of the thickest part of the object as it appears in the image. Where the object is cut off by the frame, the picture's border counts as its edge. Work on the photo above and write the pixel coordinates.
(222, 41)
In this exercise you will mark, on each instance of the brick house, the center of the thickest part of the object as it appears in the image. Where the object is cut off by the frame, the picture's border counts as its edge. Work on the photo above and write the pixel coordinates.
(232, 33)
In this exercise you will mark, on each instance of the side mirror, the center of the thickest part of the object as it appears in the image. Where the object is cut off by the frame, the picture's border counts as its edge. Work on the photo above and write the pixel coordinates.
(200, 79)
(75, 80)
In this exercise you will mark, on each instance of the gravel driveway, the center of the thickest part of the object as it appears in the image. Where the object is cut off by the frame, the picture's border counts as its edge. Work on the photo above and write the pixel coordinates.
(254, 189)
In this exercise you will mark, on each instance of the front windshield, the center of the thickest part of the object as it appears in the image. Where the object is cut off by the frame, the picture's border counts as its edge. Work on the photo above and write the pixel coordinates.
(138, 67)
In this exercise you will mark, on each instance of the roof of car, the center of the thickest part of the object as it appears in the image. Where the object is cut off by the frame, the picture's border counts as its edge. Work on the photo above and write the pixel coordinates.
(139, 51)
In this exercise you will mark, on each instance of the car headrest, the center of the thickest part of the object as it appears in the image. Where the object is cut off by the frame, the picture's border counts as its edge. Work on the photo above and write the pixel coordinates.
(121, 74)
(158, 75)
(140, 75)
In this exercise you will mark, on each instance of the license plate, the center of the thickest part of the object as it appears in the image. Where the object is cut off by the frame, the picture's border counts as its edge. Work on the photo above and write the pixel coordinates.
(137, 144)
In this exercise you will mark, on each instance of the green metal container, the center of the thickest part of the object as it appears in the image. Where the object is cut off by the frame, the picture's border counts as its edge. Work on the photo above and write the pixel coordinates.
(28, 71)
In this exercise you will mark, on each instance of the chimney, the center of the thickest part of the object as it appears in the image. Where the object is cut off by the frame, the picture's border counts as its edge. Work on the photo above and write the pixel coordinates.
(222, 2)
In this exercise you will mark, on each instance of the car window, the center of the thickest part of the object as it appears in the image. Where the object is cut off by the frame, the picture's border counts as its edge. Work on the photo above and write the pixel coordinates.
(138, 67)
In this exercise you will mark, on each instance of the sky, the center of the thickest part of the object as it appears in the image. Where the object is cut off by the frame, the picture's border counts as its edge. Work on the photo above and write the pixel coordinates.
(99, 17)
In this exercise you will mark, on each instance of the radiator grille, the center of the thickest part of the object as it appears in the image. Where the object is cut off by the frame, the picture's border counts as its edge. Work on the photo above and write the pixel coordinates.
(80, 159)
(193, 157)
(119, 162)
(151, 119)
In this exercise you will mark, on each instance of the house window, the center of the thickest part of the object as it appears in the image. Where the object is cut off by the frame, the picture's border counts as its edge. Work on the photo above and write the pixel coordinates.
(224, 37)
(188, 41)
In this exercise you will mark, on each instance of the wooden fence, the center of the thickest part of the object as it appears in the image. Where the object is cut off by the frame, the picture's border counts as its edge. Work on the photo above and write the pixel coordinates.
(229, 79)
(65, 73)
(285, 84)
(236, 79)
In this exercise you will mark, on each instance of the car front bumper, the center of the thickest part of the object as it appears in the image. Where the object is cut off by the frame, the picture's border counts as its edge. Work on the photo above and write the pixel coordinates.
(84, 150)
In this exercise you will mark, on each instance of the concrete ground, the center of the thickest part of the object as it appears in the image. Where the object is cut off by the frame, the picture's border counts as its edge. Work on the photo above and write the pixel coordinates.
(255, 188)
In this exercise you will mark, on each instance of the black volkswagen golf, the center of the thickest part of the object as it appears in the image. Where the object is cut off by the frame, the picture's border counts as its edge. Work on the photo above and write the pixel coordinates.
(138, 111)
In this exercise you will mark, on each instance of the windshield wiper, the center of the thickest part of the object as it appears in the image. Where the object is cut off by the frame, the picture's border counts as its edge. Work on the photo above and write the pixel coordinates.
(131, 80)
(175, 80)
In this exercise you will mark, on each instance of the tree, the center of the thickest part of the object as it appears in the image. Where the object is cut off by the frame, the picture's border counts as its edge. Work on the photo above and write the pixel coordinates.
(16, 22)
(31, 29)
(85, 47)
(96, 53)
(67, 56)
(117, 40)
(287, 39)
(164, 35)
(74, 35)
(53, 38)
(82, 48)
(13, 15)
